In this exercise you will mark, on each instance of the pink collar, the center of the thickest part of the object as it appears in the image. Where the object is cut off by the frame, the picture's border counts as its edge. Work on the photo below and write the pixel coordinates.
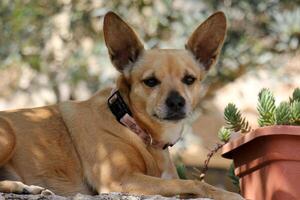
(123, 114)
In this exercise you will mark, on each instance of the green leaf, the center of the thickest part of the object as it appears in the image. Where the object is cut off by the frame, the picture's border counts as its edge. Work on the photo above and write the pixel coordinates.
(234, 119)
(296, 95)
(295, 112)
(181, 171)
(224, 134)
(266, 108)
(233, 177)
(283, 114)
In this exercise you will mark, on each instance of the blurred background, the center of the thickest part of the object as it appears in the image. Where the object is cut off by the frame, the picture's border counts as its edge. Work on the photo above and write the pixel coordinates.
(52, 51)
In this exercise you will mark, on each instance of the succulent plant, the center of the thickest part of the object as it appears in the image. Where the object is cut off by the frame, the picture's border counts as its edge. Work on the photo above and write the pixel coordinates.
(266, 108)
(234, 119)
(295, 95)
(287, 113)
(295, 112)
(224, 134)
(283, 114)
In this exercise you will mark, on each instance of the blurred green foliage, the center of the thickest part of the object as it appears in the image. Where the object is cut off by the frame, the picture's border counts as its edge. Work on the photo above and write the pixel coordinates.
(181, 171)
(235, 179)
(61, 40)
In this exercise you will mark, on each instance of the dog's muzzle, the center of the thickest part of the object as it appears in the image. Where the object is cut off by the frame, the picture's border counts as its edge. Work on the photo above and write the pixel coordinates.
(175, 104)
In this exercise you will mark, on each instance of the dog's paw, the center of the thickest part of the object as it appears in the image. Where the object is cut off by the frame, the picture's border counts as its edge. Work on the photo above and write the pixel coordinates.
(21, 188)
(46, 192)
(33, 189)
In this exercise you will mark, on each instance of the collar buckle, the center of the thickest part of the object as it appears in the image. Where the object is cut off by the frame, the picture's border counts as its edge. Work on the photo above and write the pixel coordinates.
(118, 106)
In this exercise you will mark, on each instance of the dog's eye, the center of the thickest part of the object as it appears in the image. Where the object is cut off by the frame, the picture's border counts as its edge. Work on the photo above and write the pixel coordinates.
(188, 79)
(151, 82)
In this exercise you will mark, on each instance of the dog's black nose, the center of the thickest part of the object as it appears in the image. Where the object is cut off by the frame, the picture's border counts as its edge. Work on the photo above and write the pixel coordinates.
(175, 101)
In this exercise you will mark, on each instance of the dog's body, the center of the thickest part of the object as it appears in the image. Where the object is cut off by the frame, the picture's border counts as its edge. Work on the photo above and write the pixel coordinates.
(73, 154)
(79, 147)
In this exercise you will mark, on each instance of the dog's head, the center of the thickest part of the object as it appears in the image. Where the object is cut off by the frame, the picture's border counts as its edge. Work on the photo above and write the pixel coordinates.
(165, 84)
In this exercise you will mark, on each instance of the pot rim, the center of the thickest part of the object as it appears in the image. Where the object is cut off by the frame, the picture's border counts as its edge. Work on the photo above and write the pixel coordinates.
(259, 132)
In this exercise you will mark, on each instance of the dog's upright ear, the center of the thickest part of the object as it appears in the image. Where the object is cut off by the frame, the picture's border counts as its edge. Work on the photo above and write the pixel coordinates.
(207, 40)
(123, 44)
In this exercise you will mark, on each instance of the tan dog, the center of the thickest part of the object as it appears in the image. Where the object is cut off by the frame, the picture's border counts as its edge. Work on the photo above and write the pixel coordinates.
(80, 147)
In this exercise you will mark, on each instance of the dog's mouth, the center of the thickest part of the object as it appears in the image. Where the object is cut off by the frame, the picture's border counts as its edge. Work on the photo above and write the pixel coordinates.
(171, 116)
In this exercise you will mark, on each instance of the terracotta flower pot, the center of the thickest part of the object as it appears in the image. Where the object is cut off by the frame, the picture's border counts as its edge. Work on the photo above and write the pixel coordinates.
(267, 161)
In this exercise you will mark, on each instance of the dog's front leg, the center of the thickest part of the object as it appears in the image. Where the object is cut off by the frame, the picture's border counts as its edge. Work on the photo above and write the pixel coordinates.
(21, 188)
(143, 184)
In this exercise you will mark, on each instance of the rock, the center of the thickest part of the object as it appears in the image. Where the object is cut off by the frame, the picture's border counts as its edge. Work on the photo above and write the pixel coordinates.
(108, 196)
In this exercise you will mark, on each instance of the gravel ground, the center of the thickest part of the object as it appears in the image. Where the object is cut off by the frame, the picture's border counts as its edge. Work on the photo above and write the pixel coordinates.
(110, 196)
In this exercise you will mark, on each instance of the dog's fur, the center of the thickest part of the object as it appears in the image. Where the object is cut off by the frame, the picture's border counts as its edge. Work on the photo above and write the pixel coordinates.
(77, 147)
